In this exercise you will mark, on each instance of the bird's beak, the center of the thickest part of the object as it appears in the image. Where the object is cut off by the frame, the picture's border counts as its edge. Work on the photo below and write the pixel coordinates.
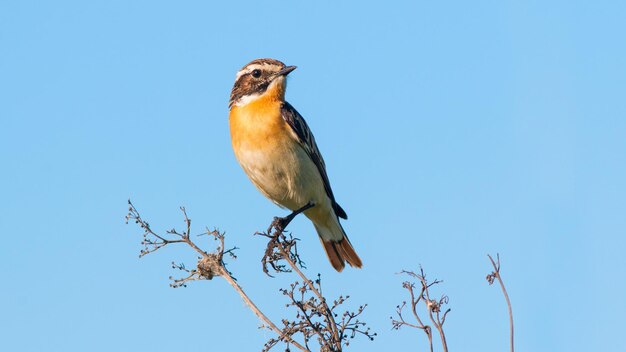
(285, 71)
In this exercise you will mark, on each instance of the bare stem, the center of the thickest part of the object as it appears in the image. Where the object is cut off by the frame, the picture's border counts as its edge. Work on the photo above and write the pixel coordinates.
(315, 317)
(258, 312)
(328, 314)
(285, 249)
(433, 307)
(209, 265)
(496, 275)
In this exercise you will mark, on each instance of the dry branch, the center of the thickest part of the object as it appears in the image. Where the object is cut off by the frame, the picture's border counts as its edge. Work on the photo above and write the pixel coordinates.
(495, 274)
(314, 317)
(209, 264)
(433, 307)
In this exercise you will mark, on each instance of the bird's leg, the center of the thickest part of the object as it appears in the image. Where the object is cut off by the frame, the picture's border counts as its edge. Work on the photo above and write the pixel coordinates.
(279, 224)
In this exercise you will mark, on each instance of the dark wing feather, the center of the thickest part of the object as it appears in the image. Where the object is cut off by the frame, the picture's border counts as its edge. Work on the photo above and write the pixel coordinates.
(306, 139)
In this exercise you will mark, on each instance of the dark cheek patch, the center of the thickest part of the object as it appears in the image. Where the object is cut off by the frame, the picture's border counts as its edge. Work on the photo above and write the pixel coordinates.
(247, 85)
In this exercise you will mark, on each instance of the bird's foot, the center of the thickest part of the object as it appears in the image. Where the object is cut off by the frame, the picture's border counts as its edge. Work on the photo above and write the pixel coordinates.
(280, 224)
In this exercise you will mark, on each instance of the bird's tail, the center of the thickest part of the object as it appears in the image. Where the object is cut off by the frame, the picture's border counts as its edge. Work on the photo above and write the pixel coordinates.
(337, 246)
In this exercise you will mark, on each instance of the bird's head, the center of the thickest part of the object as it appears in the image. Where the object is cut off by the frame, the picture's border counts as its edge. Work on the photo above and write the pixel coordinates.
(257, 78)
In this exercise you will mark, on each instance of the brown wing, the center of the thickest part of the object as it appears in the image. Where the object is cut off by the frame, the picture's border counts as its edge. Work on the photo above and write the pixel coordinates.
(306, 139)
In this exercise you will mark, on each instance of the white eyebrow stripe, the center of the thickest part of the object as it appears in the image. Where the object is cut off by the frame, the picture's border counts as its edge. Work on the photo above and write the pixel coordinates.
(249, 69)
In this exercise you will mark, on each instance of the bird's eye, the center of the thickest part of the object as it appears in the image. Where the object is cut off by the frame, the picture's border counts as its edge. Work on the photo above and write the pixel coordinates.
(256, 73)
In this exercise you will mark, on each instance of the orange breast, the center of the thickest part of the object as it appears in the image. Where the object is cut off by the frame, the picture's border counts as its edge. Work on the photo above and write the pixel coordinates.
(258, 124)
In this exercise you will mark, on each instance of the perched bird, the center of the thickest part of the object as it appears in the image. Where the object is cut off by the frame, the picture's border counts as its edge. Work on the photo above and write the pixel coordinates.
(276, 149)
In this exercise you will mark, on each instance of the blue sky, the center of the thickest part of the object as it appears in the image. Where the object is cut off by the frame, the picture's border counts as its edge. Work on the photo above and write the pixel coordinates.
(450, 130)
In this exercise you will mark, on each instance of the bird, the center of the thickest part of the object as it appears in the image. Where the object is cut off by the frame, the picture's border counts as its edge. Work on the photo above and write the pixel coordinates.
(276, 149)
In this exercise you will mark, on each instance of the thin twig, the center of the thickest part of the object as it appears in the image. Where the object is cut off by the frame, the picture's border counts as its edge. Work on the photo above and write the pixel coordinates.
(282, 256)
(260, 314)
(496, 275)
(209, 265)
(314, 317)
(432, 306)
(328, 314)
(288, 252)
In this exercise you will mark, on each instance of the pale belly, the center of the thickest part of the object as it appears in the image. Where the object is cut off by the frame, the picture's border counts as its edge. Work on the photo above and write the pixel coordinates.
(285, 174)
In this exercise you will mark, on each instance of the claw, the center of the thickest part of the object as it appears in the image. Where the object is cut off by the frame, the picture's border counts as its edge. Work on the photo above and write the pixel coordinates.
(279, 224)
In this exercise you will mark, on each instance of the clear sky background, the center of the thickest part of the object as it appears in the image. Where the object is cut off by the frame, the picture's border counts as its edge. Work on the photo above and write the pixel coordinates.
(450, 130)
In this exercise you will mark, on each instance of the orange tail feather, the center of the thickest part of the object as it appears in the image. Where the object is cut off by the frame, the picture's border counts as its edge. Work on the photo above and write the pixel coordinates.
(348, 253)
(340, 252)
